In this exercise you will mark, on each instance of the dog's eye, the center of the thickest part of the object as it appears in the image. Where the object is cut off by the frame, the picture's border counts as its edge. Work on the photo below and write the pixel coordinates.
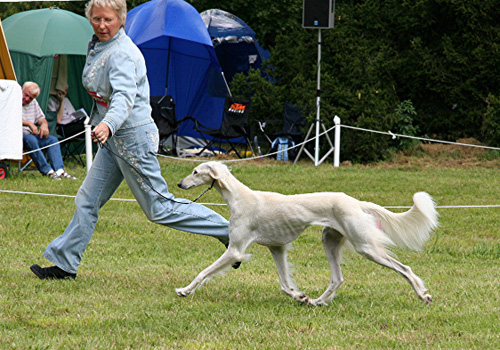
(195, 172)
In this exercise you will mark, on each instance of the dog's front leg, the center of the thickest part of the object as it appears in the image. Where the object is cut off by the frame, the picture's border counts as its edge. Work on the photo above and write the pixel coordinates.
(218, 266)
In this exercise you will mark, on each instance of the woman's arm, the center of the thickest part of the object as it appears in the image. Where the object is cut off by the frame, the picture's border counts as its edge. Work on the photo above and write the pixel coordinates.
(123, 81)
(60, 110)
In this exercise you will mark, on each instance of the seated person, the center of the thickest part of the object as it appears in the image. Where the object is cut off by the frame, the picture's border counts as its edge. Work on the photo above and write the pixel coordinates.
(67, 124)
(35, 138)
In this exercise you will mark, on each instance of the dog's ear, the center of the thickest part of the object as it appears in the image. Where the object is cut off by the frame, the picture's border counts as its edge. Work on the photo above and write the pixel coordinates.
(217, 173)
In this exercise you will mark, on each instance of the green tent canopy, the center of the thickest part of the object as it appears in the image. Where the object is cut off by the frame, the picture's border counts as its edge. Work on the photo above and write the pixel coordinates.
(36, 37)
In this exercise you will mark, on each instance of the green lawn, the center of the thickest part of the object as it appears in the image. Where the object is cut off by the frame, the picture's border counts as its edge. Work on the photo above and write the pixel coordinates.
(124, 298)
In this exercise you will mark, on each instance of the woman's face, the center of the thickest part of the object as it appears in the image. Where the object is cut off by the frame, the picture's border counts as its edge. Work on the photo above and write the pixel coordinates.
(105, 22)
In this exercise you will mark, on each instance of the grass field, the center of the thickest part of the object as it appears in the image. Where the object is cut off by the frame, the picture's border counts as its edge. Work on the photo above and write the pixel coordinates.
(124, 298)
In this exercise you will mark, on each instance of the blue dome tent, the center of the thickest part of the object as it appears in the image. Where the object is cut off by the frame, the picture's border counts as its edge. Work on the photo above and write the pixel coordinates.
(234, 41)
(180, 60)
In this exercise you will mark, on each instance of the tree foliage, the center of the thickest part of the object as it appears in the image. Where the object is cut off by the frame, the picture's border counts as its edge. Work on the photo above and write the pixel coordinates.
(10, 8)
(441, 56)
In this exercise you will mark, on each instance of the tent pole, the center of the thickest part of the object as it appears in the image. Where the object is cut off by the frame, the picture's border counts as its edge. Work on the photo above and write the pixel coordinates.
(168, 67)
(225, 81)
(168, 64)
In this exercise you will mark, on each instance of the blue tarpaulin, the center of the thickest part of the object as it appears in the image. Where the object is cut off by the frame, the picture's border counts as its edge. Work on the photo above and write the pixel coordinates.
(179, 55)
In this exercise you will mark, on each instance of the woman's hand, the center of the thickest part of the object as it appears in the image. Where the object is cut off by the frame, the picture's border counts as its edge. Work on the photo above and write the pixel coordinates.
(101, 133)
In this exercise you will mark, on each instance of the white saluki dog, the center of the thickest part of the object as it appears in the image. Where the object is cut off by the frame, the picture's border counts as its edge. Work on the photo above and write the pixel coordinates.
(275, 220)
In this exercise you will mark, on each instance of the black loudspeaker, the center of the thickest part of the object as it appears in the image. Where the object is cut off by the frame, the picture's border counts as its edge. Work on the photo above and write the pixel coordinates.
(318, 14)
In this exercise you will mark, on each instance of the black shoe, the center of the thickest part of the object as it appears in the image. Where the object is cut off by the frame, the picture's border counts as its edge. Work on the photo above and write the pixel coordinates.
(53, 272)
(236, 264)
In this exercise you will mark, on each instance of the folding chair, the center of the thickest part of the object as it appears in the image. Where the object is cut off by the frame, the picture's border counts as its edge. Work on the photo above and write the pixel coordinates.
(233, 130)
(163, 113)
(290, 127)
(25, 164)
(71, 149)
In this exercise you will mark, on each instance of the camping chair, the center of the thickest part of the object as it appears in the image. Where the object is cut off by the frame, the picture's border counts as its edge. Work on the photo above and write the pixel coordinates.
(163, 113)
(25, 164)
(72, 149)
(233, 130)
(290, 127)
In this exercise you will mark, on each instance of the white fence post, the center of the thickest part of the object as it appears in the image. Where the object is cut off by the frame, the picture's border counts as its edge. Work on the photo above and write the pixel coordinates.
(336, 152)
(88, 144)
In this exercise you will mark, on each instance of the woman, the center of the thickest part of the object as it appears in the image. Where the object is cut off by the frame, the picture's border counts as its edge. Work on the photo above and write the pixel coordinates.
(115, 76)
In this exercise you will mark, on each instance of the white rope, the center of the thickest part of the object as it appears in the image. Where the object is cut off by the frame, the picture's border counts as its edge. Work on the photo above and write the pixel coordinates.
(223, 204)
(450, 206)
(60, 195)
(255, 157)
(419, 138)
(393, 135)
(68, 196)
(55, 143)
(390, 133)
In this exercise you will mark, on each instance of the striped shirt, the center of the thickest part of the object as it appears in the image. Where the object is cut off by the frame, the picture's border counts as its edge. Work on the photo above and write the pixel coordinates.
(31, 113)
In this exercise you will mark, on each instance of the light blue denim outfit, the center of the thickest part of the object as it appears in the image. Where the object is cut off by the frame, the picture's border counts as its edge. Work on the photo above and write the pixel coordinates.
(115, 72)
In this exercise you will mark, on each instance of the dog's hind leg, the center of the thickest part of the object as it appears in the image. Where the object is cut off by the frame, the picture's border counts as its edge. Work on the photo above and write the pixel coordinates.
(379, 256)
(218, 266)
(332, 243)
(286, 283)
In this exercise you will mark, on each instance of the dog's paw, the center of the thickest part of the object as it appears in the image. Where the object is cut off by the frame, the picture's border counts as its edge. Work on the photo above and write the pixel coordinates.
(303, 299)
(427, 299)
(182, 292)
(317, 302)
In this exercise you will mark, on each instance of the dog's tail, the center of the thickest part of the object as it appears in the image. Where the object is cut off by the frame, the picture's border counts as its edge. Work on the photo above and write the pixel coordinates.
(410, 229)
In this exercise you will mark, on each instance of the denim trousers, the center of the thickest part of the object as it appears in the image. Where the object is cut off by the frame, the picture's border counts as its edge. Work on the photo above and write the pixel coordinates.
(130, 155)
(33, 142)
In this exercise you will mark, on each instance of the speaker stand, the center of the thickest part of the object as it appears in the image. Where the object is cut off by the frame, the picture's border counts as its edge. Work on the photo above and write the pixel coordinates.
(318, 121)
(316, 153)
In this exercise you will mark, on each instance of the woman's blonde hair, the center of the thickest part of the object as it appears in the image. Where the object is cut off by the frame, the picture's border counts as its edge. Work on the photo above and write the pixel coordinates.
(120, 7)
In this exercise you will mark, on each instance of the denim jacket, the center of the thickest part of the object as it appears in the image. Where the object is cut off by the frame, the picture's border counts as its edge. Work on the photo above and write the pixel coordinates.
(115, 76)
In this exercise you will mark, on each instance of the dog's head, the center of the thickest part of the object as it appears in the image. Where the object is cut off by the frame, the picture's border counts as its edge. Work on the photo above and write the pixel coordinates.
(205, 174)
